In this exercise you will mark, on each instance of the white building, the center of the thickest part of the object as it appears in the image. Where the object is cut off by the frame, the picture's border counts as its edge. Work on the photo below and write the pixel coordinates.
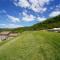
(54, 30)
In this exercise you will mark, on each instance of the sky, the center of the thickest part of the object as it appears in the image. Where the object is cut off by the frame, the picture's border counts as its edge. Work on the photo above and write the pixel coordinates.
(21, 13)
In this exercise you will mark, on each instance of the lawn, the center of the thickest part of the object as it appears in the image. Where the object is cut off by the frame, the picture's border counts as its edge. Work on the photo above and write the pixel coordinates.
(32, 45)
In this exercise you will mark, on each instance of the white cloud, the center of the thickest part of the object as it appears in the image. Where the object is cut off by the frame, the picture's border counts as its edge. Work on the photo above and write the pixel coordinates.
(41, 19)
(2, 24)
(54, 13)
(44, 9)
(13, 26)
(27, 17)
(23, 3)
(35, 5)
(39, 2)
(58, 6)
(3, 11)
(10, 26)
(13, 19)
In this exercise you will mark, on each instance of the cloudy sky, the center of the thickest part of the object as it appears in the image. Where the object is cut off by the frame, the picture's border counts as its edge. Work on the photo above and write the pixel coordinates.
(20, 13)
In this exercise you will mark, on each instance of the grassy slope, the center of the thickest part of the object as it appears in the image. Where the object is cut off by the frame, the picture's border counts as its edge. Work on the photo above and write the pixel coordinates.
(36, 45)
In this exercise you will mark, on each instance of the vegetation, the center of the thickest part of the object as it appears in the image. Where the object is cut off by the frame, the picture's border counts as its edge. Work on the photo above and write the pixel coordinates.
(32, 45)
(47, 24)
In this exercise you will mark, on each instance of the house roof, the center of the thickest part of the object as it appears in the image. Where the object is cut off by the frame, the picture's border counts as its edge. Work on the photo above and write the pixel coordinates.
(56, 28)
(4, 33)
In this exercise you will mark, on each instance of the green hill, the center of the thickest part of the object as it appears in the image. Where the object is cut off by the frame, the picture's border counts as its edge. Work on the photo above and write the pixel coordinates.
(32, 45)
(47, 24)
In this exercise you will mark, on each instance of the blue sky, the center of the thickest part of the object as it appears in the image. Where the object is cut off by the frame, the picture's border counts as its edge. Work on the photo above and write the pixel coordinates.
(20, 13)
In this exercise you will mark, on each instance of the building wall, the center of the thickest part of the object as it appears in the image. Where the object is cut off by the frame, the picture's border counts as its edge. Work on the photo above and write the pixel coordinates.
(2, 37)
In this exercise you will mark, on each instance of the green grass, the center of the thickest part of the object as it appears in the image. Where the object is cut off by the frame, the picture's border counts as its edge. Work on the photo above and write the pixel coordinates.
(32, 45)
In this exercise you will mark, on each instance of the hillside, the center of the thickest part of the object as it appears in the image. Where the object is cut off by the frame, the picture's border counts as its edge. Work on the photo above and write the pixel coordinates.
(47, 24)
(32, 45)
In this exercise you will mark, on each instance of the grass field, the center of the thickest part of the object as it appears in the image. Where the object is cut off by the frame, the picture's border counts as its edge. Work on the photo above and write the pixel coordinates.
(32, 45)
